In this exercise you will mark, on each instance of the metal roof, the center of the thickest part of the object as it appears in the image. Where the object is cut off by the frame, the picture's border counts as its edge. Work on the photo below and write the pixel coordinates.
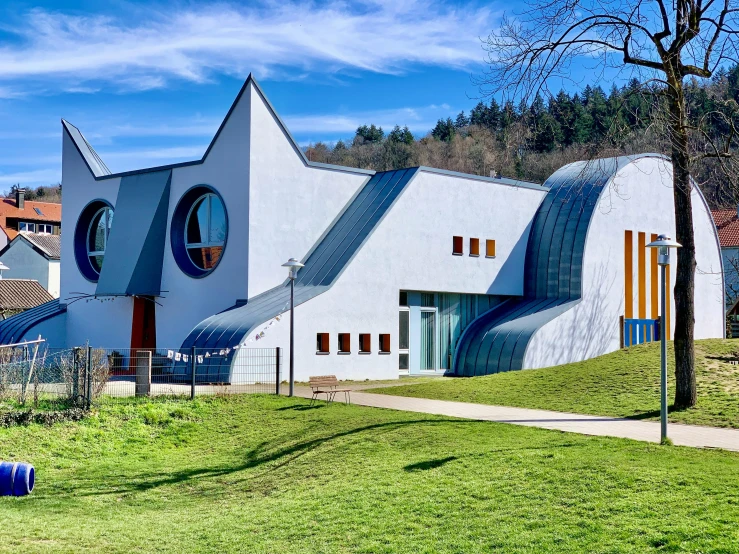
(13, 328)
(323, 265)
(497, 340)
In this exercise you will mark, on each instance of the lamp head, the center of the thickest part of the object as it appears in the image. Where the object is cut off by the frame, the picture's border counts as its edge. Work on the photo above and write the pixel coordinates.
(293, 266)
(664, 243)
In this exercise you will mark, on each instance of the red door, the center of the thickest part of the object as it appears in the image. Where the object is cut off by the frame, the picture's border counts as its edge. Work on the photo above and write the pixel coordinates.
(143, 328)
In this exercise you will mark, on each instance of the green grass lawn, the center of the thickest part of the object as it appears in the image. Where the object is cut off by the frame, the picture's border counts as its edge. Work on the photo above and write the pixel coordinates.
(267, 474)
(624, 383)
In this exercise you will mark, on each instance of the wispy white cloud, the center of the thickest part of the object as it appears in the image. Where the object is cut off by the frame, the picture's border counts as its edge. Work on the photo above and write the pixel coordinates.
(280, 40)
(35, 177)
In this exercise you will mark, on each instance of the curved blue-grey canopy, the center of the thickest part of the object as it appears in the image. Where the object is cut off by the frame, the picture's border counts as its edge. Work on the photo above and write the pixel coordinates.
(14, 328)
(323, 266)
(497, 340)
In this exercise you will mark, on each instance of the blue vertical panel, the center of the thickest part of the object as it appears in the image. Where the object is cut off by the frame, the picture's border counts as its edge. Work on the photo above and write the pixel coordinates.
(135, 249)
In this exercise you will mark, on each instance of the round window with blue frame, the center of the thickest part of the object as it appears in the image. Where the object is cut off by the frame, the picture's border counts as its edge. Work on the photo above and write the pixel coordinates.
(91, 238)
(199, 231)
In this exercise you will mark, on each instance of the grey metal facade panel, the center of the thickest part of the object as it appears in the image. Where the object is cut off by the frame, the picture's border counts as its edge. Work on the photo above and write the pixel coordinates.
(13, 328)
(135, 249)
(323, 265)
(497, 340)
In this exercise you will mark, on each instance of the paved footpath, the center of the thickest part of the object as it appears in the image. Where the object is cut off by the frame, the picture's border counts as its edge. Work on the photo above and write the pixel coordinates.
(684, 435)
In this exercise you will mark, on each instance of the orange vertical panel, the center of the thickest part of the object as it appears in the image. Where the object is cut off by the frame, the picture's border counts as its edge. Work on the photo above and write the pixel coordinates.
(628, 275)
(667, 302)
(654, 279)
(642, 271)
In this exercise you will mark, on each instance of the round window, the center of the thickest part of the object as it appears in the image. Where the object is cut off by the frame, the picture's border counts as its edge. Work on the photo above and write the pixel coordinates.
(199, 231)
(91, 238)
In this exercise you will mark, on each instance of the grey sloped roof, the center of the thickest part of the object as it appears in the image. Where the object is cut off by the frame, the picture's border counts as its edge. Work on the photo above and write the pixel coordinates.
(13, 328)
(50, 245)
(21, 294)
(323, 265)
(94, 162)
(497, 340)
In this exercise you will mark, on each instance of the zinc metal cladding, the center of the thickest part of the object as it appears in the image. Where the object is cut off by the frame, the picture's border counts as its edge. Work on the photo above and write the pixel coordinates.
(324, 264)
(497, 340)
(13, 329)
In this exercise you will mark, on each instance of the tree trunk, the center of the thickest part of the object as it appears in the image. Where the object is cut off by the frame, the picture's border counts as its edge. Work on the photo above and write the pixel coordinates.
(684, 291)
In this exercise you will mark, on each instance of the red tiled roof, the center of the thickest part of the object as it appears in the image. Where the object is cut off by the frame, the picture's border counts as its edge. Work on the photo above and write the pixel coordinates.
(727, 224)
(49, 212)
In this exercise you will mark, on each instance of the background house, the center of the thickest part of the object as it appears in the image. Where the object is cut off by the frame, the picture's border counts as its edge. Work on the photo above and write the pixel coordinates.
(727, 224)
(34, 256)
(20, 215)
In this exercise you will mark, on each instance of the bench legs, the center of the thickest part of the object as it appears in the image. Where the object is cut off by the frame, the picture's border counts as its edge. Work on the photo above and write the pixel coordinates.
(331, 396)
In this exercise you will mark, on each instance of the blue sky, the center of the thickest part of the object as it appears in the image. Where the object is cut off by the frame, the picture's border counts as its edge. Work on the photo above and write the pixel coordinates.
(149, 82)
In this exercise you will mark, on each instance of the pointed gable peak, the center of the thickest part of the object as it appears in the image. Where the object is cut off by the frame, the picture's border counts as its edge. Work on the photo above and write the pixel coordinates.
(94, 162)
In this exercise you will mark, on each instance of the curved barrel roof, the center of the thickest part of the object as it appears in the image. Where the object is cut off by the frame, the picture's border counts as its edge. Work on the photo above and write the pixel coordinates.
(497, 340)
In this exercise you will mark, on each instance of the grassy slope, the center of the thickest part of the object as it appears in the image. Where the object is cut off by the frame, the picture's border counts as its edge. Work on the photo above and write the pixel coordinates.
(624, 383)
(266, 474)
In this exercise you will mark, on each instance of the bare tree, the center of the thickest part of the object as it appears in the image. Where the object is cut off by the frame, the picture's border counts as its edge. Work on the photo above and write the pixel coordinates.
(660, 43)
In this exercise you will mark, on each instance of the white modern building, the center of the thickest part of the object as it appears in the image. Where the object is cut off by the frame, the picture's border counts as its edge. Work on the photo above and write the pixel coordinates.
(415, 270)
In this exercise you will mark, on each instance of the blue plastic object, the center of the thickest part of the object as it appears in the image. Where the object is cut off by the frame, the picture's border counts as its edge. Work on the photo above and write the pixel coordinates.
(16, 478)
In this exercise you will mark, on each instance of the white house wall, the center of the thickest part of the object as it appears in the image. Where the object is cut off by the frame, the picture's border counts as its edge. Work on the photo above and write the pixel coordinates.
(291, 204)
(85, 320)
(26, 263)
(630, 202)
(54, 278)
(412, 250)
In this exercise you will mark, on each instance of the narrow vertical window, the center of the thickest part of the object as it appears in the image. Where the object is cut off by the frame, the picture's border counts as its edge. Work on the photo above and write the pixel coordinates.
(457, 246)
(365, 343)
(322, 343)
(474, 247)
(490, 248)
(385, 343)
(344, 343)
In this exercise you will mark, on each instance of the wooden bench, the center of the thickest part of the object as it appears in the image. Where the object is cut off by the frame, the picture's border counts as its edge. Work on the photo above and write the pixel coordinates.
(328, 385)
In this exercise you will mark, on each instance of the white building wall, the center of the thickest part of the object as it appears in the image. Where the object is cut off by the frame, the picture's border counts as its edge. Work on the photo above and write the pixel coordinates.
(631, 202)
(412, 250)
(86, 320)
(54, 278)
(26, 263)
(291, 204)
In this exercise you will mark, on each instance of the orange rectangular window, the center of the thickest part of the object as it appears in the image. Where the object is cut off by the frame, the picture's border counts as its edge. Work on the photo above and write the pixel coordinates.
(490, 248)
(474, 247)
(345, 343)
(365, 340)
(457, 246)
(322, 343)
(385, 343)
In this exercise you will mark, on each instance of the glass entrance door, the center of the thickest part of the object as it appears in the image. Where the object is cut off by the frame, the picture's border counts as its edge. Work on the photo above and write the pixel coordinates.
(428, 339)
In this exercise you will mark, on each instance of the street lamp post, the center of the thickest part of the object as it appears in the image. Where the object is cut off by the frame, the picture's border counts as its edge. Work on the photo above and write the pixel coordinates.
(293, 266)
(663, 243)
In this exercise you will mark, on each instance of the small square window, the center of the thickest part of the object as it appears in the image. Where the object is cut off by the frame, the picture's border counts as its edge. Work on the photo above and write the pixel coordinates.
(403, 361)
(344, 343)
(474, 247)
(322, 343)
(490, 248)
(457, 246)
(365, 340)
(385, 343)
(45, 229)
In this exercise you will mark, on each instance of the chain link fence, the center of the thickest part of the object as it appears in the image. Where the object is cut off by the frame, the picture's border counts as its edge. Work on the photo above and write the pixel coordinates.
(32, 373)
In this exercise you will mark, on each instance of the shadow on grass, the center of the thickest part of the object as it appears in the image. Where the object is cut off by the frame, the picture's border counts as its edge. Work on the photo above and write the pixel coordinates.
(429, 464)
(261, 455)
(671, 409)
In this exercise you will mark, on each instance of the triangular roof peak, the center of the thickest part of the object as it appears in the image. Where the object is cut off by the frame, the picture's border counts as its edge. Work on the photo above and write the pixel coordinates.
(100, 171)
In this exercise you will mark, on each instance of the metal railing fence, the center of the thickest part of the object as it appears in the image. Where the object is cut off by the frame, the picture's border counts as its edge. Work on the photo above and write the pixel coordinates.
(83, 374)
